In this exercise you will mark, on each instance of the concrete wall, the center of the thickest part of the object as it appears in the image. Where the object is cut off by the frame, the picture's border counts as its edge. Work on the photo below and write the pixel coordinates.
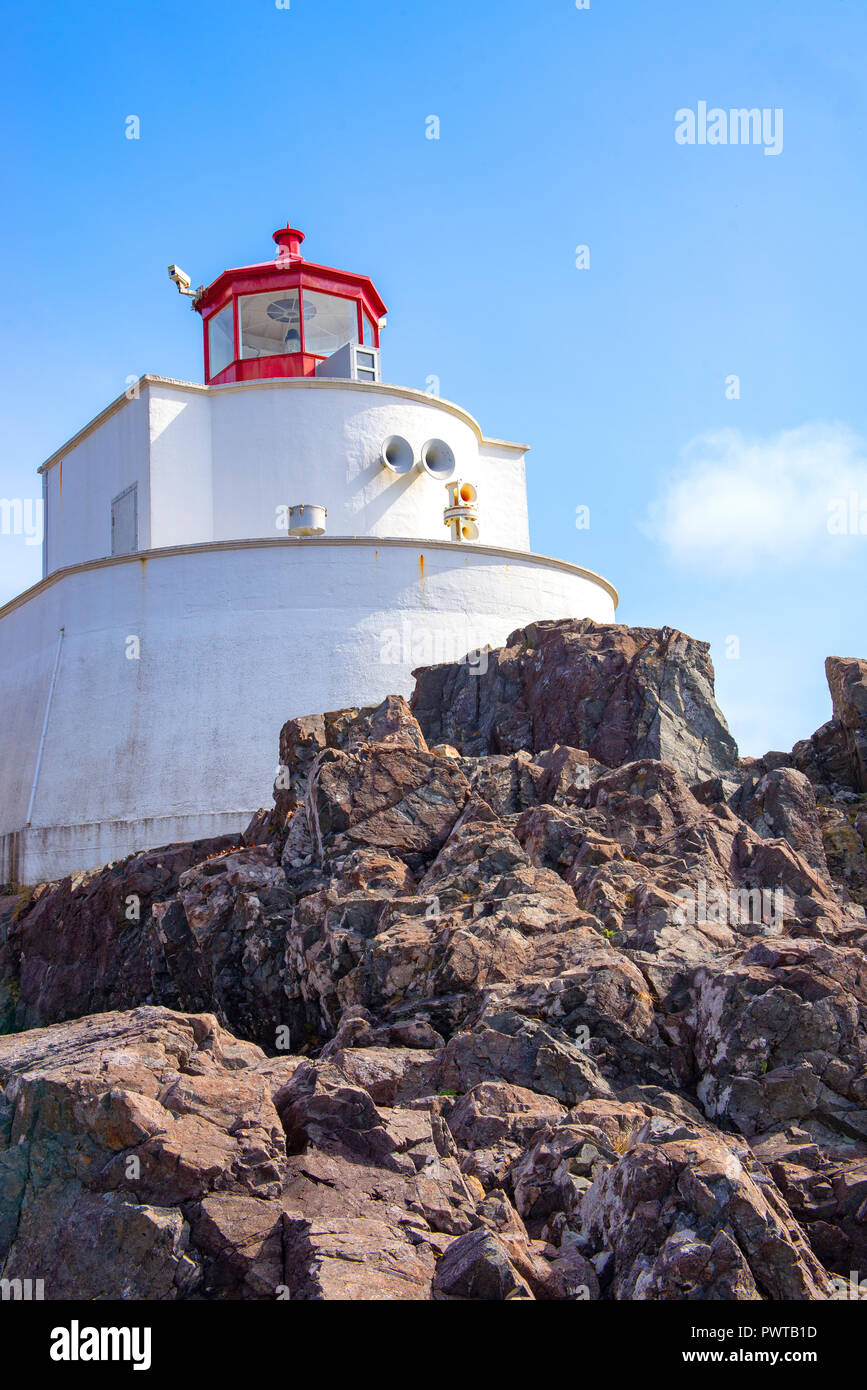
(181, 473)
(80, 485)
(8, 858)
(320, 442)
(234, 639)
(215, 463)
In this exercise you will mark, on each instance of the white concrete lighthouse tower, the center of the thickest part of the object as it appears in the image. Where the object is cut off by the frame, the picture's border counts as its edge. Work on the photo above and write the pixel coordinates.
(292, 536)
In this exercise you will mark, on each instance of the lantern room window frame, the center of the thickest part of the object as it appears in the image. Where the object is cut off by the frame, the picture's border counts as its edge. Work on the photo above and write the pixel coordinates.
(286, 292)
(209, 324)
(307, 279)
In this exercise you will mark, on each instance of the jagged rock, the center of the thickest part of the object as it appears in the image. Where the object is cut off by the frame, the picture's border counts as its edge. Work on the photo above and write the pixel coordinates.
(391, 798)
(619, 693)
(552, 1174)
(303, 739)
(477, 1266)
(142, 1156)
(523, 1053)
(780, 1037)
(492, 1125)
(782, 804)
(567, 1007)
(81, 944)
(512, 782)
(116, 1131)
(826, 1188)
(390, 1075)
(836, 754)
(844, 840)
(222, 942)
(824, 758)
(572, 1276)
(847, 681)
(482, 861)
(688, 1218)
(356, 1257)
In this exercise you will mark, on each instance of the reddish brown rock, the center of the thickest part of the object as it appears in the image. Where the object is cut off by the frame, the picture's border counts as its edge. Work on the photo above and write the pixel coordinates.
(477, 1266)
(619, 693)
(496, 982)
(780, 1037)
(836, 754)
(689, 1219)
(82, 944)
(389, 798)
(119, 1130)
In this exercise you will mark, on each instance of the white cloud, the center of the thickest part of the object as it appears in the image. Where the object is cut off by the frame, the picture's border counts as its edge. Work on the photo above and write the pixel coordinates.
(746, 503)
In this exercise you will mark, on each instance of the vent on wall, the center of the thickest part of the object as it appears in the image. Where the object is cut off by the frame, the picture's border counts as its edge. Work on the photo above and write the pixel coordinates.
(124, 522)
(396, 454)
(438, 459)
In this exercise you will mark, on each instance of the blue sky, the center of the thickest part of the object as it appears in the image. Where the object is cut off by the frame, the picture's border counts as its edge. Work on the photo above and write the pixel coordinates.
(557, 130)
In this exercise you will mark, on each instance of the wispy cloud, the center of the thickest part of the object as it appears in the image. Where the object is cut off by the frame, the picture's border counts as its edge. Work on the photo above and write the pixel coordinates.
(742, 503)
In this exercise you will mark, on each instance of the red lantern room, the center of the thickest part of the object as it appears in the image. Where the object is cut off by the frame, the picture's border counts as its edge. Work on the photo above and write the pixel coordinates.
(288, 317)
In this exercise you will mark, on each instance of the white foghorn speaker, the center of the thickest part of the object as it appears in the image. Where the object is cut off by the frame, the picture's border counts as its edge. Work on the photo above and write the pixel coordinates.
(437, 459)
(307, 519)
(462, 514)
(396, 454)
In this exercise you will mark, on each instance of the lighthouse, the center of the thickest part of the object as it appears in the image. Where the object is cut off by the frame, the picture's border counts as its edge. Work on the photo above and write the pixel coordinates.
(292, 535)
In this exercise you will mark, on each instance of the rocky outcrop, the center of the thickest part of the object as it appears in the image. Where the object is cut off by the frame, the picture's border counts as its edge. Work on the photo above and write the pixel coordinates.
(619, 693)
(150, 1155)
(836, 755)
(545, 997)
(141, 1157)
(835, 761)
(693, 1217)
(83, 943)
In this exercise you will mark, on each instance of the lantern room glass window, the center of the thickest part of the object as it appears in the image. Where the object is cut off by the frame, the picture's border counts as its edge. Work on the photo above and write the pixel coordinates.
(270, 324)
(329, 322)
(367, 328)
(221, 340)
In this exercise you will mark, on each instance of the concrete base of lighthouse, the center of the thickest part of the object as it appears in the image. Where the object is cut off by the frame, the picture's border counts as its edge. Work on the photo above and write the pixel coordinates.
(143, 695)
